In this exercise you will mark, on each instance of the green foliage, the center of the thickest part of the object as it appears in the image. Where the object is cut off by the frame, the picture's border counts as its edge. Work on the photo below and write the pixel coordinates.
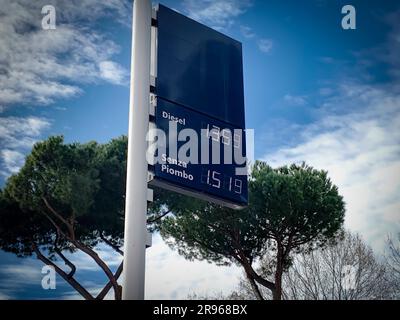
(211, 233)
(82, 186)
(296, 203)
(18, 228)
(296, 207)
(84, 183)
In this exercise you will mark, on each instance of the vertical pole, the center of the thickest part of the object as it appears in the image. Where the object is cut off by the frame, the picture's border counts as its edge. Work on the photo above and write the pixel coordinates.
(136, 183)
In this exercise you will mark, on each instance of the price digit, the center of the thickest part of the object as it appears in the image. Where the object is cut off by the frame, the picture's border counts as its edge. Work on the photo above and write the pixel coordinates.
(215, 133)
(205, 177)
(238, 186)
(237, 140)
(216, 181)
(226, 137)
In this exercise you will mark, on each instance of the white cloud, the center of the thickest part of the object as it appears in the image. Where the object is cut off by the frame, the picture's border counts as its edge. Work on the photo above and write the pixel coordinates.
(184, 277)
(327, 60)
(295, 100)
(325, 91)
(360, 148)
(94, 290)
(218, 14)
(265, 45)
(15, 278)
(247, 32)
(20, 132)
(13, 160)
(17, 135)
(31, 274)
(39, 66)
(4, 296)
(112, 72)
(120, 10)
(84, 262)
(390, 52)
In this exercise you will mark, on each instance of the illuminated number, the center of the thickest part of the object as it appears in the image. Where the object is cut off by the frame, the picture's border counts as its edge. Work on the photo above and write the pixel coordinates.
(230, 184)
(226, 137)
(216, 181)
(238, 186)
(215, 133)
(205, 178)
(237, 140)
(208, 130)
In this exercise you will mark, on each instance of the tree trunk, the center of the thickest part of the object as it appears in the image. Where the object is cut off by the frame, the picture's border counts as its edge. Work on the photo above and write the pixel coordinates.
(255, 287)
(277, 293)
(253, 274)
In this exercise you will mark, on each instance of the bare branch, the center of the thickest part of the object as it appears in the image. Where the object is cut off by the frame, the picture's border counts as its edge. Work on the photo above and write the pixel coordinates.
(60, 217)
(67, 262)
(84, 249)
(108, 286)
(101, 264)
(255, 288)
(159, 217)
(110, 244)
(75, 284)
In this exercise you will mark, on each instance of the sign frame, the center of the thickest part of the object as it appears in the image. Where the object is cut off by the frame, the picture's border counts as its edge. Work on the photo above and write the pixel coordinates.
(155, 179)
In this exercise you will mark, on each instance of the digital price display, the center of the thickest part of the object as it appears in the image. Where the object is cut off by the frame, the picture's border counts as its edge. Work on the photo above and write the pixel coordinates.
(199, 86)
(216, 182)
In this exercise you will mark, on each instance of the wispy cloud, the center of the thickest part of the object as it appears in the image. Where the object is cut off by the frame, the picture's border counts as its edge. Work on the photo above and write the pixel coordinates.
(30, 273)
(218, 14)
(39, 66)
(200, 277)
(17, 136)
(221, 15)
(295, 100)
(20, 132)
(265, 45)
(4, 296)
(325, 91)
(13, 160)
(327, 60)
(16, 277)
(389, 52)
(360, 148)
(86, 263)
(247, 32)
(391, 56)
(112, 72)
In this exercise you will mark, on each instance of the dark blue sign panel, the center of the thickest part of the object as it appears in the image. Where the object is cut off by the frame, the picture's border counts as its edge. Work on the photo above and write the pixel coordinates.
(199, 85)
(213, 181)
(199, 68)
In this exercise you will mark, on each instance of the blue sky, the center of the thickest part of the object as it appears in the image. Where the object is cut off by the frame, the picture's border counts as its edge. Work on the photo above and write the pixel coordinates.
(313, 92)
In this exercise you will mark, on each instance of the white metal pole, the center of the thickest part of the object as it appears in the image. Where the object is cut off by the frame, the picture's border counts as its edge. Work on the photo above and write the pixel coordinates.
(136, 183)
